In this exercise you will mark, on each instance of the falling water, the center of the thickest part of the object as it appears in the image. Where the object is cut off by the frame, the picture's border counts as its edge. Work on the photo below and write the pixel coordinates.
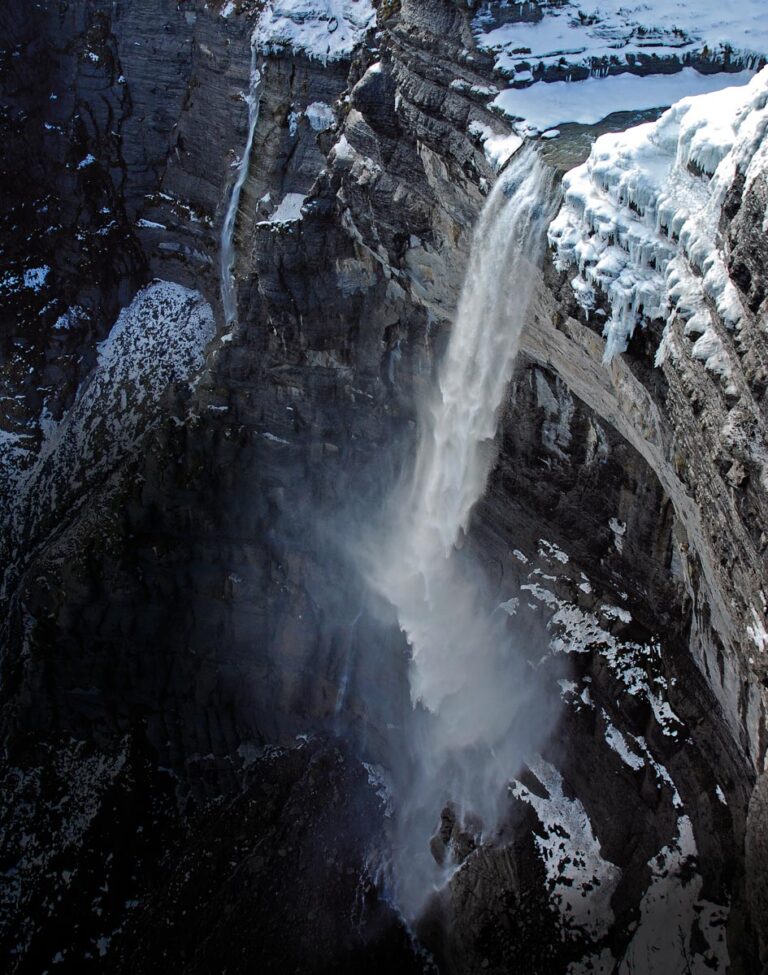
(228, 295)
(469, 682)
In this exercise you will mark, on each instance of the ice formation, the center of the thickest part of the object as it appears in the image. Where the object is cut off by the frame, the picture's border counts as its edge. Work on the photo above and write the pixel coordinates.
(640, 219)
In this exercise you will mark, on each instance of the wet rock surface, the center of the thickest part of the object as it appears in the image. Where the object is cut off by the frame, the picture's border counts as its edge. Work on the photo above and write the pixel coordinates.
(171, 625)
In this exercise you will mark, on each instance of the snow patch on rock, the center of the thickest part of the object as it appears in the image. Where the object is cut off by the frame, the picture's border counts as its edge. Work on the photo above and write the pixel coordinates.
(672, 908)
(635, 665)
(320, 116)
(327, 30)
(498, 149)
(158, 340)
(287, 211)
(620, 745)
(581, 883)
(32, 278)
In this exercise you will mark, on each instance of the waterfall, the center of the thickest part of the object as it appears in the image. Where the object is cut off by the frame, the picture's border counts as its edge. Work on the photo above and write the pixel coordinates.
(469, 680)
(227, 250)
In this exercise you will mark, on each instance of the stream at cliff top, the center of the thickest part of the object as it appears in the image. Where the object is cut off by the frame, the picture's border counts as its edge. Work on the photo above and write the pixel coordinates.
(227, 247)
(575, 141)
(469, 677)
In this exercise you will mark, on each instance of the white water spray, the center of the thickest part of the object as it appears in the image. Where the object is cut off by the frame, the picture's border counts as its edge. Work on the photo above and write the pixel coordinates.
(468, 677)
(227, 250)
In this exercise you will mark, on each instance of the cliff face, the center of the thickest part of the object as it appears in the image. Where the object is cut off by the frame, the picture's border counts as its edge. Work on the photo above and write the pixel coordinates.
(183, 506)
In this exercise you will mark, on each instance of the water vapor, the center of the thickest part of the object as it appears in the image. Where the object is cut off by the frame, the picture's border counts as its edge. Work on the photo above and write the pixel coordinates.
(475, 709)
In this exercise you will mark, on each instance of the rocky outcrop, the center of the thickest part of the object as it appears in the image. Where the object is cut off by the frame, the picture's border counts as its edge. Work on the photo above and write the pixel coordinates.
(179, 610)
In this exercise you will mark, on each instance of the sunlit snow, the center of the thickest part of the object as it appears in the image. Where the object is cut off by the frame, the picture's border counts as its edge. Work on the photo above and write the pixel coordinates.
(640, 219)
(321, 29)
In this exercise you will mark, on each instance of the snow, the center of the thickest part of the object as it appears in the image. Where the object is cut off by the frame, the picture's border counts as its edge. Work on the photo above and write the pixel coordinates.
(721, 795)
(86, 161)
(616, 613)
(757, 632)
(159, 339)
(634, 664)
(343, 152)
(543, 106)
(620, 745)
(619, 530)
(550, 551)
(541, 594)
(287, 211)
(498, 149)
(579, 41)
(580, 881)
(590, 33)
(32, 278)
(70, 319)
(679, 931)
(320, 116)
(35, 277)
(362, 169)
(324, 29)
(640, 220)
(460, 84)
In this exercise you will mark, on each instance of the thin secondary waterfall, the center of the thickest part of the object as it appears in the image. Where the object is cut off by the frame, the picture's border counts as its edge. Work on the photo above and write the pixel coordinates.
(469, 683)
(227, 250)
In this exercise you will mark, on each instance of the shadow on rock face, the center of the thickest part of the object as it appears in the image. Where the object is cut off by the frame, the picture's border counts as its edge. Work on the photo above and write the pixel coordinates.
(275, 880)
(495, 916)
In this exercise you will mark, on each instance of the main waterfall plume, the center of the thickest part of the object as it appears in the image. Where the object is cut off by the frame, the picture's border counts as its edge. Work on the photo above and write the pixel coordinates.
(227, 249)
(468, 680)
